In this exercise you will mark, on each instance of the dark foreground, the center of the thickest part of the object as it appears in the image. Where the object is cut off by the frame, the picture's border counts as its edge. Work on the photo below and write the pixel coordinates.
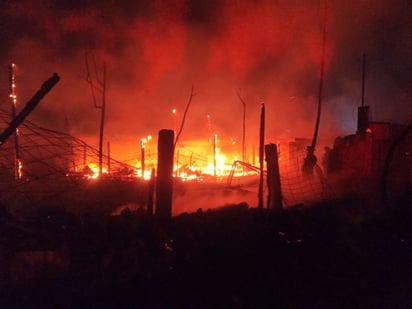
(234, 257)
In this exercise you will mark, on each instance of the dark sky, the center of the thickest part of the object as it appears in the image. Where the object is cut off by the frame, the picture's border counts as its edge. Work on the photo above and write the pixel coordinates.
(267, 50)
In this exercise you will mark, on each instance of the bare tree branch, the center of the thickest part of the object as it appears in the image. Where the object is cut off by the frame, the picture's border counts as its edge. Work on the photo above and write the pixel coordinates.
(92, 78)
(184, 116)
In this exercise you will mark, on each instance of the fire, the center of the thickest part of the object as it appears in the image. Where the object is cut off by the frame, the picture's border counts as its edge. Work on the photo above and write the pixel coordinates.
(222, 168)
(19, 169)
(195, 160)
(91, 171)
(147, 174)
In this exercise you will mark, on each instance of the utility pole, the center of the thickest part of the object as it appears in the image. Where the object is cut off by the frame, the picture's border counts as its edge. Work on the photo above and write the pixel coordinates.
(98, 85)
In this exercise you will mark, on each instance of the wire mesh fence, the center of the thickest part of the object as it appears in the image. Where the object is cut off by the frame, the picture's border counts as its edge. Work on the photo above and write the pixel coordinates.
(51, 165)
(298, 187)
(47, 166)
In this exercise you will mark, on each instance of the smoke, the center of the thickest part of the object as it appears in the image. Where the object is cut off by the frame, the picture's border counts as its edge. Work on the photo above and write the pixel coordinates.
(267, 50)
(195, 198)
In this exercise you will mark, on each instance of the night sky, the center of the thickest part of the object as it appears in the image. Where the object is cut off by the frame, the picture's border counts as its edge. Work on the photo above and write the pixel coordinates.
(268, 51)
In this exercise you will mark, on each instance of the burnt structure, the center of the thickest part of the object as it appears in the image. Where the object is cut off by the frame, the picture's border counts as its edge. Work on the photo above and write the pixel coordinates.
(375, 159)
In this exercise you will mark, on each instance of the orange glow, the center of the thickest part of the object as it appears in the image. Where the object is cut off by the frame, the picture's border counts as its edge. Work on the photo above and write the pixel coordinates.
(146, 175)
(145, 140)
(194, 160)
(94, 171)
(19, 169)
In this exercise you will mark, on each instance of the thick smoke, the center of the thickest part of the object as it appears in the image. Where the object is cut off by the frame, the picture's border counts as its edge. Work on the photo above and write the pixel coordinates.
(268, 51)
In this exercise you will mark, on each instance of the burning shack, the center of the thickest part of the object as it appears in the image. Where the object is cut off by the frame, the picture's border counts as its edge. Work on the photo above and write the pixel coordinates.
(376, 159)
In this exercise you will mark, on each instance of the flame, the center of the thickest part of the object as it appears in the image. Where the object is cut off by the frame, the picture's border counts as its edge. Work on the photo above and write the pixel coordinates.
(91, 171)
(194, 161)
(223, 166)
(146, 175)
(19, 169)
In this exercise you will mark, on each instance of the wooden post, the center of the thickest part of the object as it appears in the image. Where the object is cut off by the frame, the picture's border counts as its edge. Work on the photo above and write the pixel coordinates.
(84, 156)
(102, 119)
(363, 111)
(164, 179)
(273, 178)
(142, 159)
(177, 164)
(261, 146)
(29, 107)
(253, 155)
(13, 97)
(363, 78)
(108, 158)
(214, 155)
(99, 85)
(151, 193)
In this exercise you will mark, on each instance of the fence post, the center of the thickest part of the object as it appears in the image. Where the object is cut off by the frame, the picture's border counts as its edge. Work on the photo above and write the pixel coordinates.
(151, 192)
(164, 179)
(273, 177)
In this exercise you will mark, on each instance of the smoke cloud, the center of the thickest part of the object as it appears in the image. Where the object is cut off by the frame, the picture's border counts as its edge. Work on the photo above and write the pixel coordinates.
(268, 51)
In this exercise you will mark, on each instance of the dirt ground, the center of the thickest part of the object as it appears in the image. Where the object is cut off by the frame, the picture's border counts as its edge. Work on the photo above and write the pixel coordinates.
(231, 257)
